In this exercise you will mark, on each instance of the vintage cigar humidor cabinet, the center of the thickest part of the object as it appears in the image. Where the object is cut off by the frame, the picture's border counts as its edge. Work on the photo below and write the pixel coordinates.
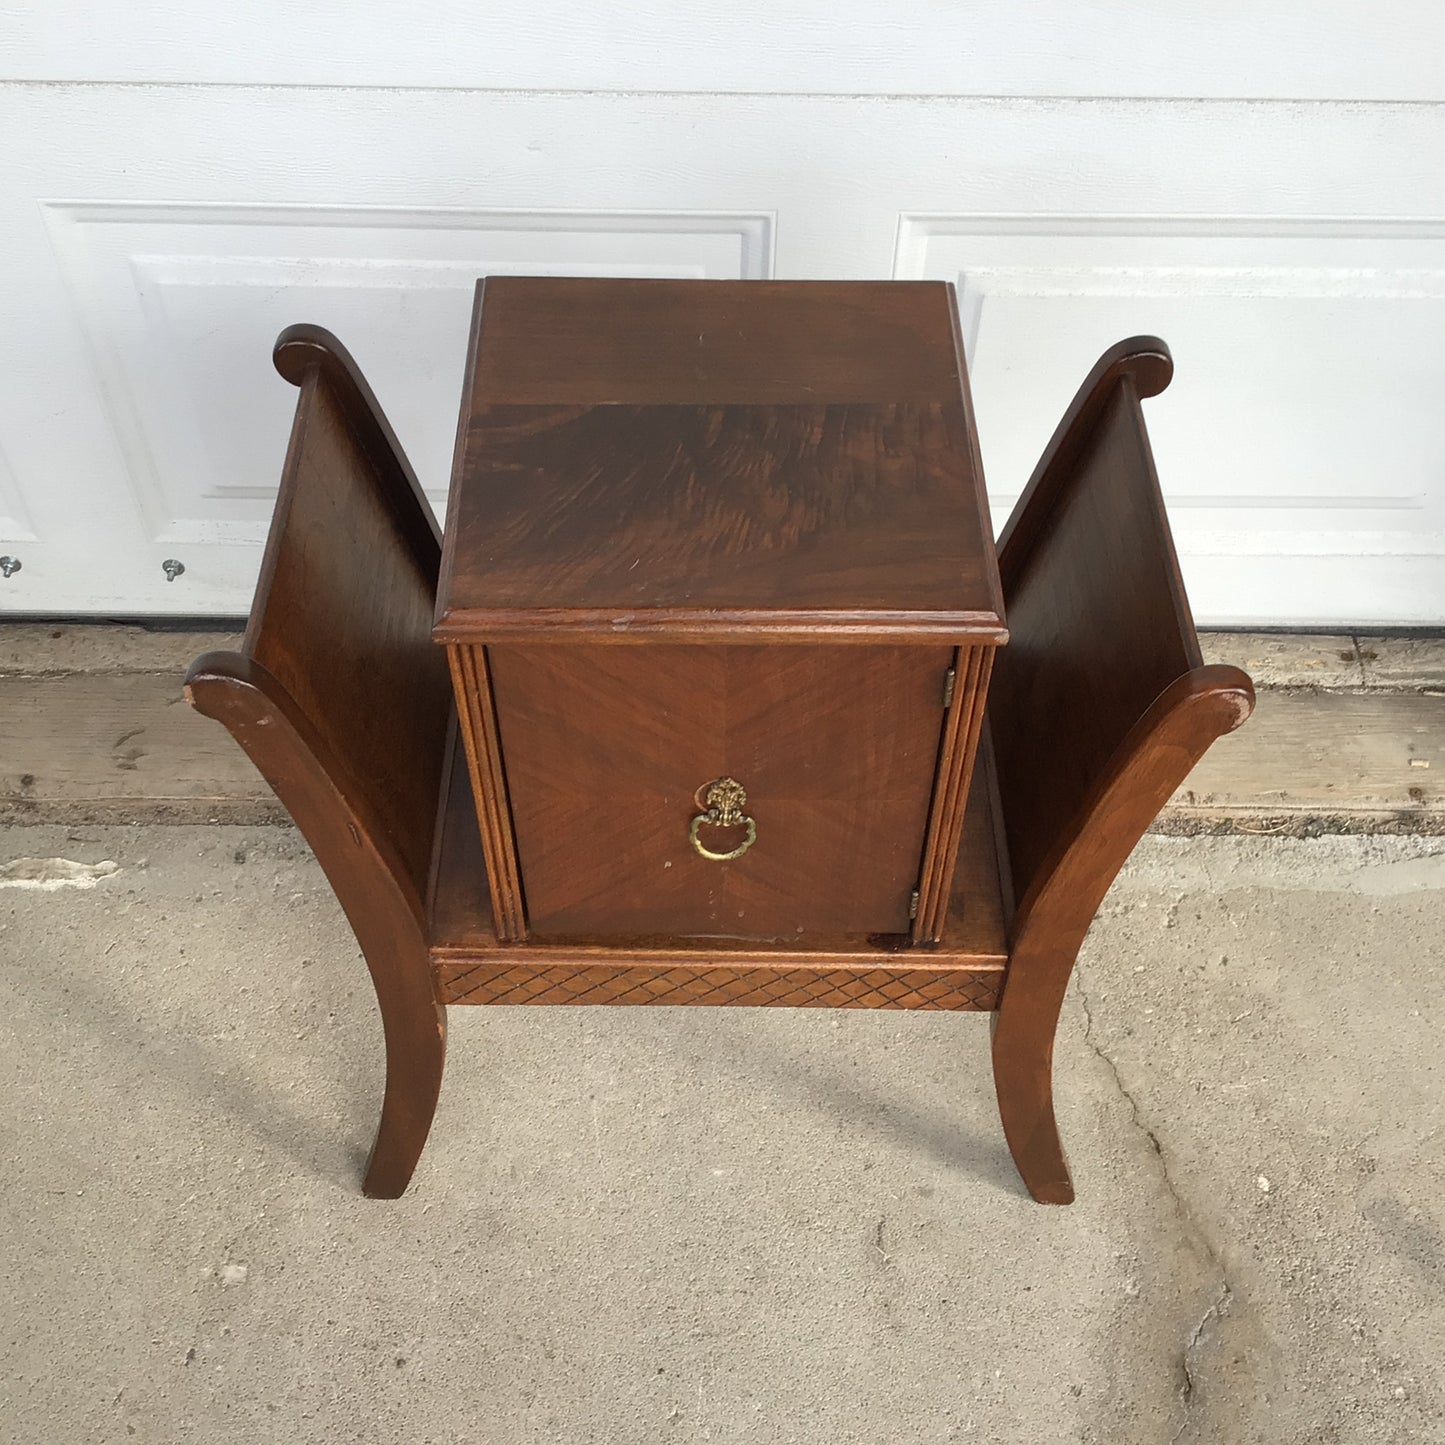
(720, 601)
(720, 606)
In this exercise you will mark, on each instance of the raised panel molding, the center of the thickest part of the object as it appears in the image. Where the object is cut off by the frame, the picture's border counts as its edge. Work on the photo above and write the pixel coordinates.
(182, 302)
(1304, 419)
(143, 287)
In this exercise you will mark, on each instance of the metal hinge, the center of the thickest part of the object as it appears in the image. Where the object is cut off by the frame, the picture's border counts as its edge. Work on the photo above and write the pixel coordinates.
(949, 679)
(913, 904)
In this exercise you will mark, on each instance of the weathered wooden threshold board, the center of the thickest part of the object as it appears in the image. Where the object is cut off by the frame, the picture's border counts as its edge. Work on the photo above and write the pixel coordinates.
(1349, 735)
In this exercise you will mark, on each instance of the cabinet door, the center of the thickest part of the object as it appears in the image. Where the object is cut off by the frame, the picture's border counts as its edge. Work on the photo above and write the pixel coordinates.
(609, 750)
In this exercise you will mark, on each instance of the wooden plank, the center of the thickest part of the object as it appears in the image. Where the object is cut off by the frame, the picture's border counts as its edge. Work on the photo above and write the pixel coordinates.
(1289, 659)
(82, 746)
(51, 649)
(1371, 760)
(1405, 664)
(119, 746)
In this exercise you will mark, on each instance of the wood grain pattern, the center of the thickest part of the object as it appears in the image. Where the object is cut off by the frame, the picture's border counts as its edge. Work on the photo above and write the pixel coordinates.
(607, 749)
(573, 341)
(1105, 632)
(317, 603)
(788, 461)
(476, 705)
(115, 741)
(1104, 640)
(847, 514)
(340, 699)
(1055, 915)
(803, 470)
(463, 939)
(1098, 709)
(1090, 554)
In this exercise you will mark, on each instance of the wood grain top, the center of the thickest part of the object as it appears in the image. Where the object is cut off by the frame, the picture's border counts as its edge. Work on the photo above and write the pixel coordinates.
(782, 460)
(588, 342)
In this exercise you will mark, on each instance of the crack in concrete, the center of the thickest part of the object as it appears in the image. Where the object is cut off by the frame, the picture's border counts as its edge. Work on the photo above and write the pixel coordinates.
(1219, 1305)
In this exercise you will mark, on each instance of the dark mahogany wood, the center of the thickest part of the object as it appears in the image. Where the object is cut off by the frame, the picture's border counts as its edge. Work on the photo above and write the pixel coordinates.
(803, 471)
(472, 685)
(342, 702)
(1098, 709)
(607, 749)
(717, 461)
(572, 341)
(956, 753)
(628, 521)
(832, 970)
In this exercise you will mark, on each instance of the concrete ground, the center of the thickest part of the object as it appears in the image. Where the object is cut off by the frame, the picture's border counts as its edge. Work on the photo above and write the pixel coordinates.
(690, 1225)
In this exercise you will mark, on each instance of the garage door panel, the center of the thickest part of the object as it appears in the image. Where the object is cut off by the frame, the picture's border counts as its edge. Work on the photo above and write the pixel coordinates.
(182, 303)
(1300, 421)
(159, 236)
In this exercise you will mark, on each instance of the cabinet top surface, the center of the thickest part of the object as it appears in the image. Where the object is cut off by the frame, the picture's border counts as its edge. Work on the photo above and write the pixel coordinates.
(715, 459)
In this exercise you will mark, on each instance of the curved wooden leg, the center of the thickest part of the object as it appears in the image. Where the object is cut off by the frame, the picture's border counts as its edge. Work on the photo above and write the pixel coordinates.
(1023, 1074)
(415, 1026)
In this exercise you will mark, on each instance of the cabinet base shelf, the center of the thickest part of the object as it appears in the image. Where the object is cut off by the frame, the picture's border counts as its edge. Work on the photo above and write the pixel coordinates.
(472, 966)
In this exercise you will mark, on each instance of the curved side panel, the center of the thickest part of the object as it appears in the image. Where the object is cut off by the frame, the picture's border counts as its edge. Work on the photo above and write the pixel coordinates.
(370, 882)
(1145, 359)
(1053, 917)
(304, 348)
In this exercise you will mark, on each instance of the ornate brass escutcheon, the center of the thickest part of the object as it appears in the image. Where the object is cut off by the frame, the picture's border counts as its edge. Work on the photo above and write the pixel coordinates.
(722, 807)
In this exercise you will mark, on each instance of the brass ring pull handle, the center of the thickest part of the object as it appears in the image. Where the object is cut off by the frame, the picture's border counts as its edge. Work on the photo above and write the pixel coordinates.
(722, 804)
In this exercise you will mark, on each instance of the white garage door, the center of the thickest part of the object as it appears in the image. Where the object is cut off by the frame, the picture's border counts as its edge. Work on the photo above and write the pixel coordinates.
(1263, 186)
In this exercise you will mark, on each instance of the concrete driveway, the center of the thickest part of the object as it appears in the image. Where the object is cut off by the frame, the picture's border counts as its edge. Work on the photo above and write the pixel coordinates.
(689, 1225)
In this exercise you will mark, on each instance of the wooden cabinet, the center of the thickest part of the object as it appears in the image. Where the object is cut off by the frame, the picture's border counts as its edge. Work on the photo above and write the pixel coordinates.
(615, 877)
(721, 600)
